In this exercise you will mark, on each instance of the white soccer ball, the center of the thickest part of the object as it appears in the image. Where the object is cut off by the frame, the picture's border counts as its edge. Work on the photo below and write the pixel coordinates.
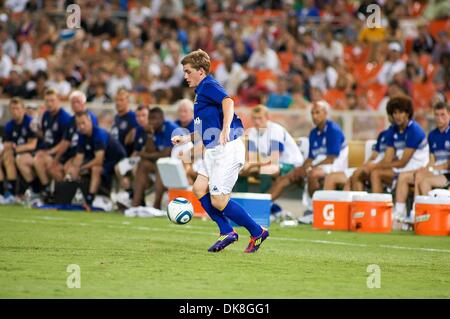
(180, 211)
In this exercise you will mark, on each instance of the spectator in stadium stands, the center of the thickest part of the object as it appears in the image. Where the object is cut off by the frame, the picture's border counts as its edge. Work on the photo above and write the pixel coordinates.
(99, 96)
(407, 151)
(330, 49)
(54, 122)
(250, 92)
(138, 14)
(424, 42)
(272, 151)
(264, 58)
(19, 141)
(9, 46)
(324, 76)
(65, 154)
(241, 51)
(281, 98)
(97, 154)
(15, 85)
(103, 26)
(59, 83)
(328, 152)
(124, 121)
(6, 64)
(442, 75)
(129, 164)
(230, 74)
(159, 144)
(120, 79)
(442, 46)
(394, 64)
(436, 172)
(357, 179)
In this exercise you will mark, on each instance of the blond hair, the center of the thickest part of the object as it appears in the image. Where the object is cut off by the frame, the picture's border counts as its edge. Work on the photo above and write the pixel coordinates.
(198, 59)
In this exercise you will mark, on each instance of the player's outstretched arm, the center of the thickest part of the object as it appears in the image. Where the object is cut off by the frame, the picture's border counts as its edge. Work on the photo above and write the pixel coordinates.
(228, 113)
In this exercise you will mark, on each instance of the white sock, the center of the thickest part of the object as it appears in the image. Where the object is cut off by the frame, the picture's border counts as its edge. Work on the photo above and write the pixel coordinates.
(400, 209)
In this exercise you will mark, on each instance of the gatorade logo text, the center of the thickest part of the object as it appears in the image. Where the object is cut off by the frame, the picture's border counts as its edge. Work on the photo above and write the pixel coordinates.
(328, 214)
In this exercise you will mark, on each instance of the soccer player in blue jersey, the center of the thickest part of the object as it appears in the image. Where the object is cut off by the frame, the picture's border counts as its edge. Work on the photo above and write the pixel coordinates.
(140, 139)
(68, 149)
(328, 153)
(355, 179)
(159, 132)
(220, 131)
(436, 174)
(97, 154)
(125, 122)
(19, 141)
(407, 151)
(54, 122)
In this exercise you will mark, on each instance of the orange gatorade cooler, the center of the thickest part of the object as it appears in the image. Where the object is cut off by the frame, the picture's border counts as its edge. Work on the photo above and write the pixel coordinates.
(432, 216)
(189, 195)
(331, 209)
(371, 213)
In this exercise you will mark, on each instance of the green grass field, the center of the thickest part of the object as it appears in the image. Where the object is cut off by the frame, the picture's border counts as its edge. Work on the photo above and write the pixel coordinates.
(122, 257)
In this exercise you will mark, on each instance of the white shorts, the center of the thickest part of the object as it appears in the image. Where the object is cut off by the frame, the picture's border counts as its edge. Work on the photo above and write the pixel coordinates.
(127, 164)
(340, 164)
(222, 165)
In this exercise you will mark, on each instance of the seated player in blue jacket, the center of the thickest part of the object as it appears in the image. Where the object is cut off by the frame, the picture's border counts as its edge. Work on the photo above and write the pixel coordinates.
(19, 142)
(97, 154)
(159, 144)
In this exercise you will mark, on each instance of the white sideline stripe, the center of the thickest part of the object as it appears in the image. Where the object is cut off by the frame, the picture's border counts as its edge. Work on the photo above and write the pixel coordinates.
(416, 248)
(317, 241)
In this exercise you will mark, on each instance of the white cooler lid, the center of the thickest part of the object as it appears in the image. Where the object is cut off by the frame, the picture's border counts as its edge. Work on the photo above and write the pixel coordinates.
(439, 200)
(375, 197)
(335, 196)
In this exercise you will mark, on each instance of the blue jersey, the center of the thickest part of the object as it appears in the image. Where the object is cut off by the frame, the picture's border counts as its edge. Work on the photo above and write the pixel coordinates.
(99, 140)
(163, 138)
(140, 139)
(122, 126)
(71, 135)
(19, 133)
(412, 137)
(440, 145)
(328, 142)
(382, 140)
(208, 113)
(53, 128)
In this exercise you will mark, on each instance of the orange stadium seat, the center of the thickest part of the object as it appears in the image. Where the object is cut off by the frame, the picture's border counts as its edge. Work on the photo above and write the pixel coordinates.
(422, 94)
(285, 60)
(364, 72)
(214, 65)
(334, 96)
(438, 25)
(375, 92)
(264, 76)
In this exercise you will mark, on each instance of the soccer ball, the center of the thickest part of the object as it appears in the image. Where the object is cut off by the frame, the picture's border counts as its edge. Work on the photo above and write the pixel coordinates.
(180, 211)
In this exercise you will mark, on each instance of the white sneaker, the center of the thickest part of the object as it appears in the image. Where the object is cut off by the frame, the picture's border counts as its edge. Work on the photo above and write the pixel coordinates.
(308, 219)
(131, 212)
(122, 198)
(8, 200)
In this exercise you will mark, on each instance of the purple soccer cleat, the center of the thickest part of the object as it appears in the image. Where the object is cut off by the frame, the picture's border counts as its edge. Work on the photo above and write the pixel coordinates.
(223, 241)
(255, 242)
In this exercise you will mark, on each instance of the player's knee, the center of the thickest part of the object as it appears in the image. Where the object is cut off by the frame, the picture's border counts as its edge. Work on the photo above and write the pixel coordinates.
(199, 190)
(96, 170)
(219, 202)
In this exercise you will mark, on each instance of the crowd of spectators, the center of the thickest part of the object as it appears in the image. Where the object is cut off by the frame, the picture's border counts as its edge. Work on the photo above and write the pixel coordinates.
(284, 54)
